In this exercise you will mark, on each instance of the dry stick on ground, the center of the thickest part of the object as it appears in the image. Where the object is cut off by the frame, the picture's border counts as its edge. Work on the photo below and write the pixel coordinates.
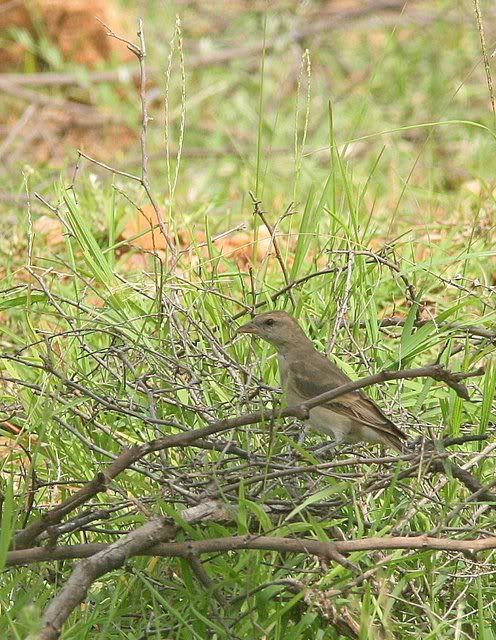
(128, 457)
(82, 113)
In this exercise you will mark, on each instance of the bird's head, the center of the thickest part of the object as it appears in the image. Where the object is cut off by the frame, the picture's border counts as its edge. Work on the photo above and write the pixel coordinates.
(276, 327)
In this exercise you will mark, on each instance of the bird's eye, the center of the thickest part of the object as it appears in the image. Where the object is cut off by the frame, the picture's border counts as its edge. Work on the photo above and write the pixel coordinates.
(269, 322)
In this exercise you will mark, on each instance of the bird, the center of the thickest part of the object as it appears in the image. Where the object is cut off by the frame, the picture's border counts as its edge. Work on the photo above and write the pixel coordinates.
(305, 373)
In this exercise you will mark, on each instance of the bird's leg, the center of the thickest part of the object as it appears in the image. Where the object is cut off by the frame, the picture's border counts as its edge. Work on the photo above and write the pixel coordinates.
(303, 435)
(330, 446)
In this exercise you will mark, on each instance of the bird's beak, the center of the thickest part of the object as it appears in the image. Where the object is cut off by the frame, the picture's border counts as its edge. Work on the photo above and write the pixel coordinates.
(249, 327)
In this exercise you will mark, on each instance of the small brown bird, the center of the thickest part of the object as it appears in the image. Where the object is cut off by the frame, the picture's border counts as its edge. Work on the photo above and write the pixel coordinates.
(306, 373)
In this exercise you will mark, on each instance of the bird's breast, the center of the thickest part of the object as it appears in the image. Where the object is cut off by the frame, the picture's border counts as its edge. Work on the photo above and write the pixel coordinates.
(283, 371)
(330, 423)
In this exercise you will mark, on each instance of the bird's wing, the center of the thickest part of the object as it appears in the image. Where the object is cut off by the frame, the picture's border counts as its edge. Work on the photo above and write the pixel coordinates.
(314, 374)
(363, 409)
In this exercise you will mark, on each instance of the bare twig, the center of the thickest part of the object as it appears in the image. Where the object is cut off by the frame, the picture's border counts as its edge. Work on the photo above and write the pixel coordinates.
(473, 330)
(78, 111)
(288, 287)
(373, 258)
(343, 307)
(124, 174)
(205, 580)
(140, 53)
(410, 290)
(15, 130)
(258, 211)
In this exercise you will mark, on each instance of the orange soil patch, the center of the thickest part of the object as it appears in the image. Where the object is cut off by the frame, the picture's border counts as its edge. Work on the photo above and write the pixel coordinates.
(70, 24)
(50, 229)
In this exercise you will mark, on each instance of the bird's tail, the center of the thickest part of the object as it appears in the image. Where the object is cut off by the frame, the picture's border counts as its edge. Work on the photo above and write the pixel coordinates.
(396, 441)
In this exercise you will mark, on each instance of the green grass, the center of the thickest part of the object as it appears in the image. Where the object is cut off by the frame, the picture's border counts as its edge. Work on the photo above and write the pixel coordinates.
(370, 166)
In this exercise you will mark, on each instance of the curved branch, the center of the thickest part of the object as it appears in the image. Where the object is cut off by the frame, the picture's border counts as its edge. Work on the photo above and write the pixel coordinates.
(318, 548)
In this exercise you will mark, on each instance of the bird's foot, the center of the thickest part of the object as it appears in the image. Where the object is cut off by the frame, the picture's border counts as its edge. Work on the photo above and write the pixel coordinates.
(417, 444)
(412, 445)
(329, 447)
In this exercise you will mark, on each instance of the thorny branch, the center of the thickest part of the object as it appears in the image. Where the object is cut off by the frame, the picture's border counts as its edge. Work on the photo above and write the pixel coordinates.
(147, 539)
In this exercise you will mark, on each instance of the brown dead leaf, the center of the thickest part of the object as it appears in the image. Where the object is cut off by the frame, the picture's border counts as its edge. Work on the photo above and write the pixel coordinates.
(98, 142)
(135, 261)
(472, 186)
(242, 247)
(95, 301)
(428, 310)
(239, 248)
(58, 131)
(10, 450)
(400, 308)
